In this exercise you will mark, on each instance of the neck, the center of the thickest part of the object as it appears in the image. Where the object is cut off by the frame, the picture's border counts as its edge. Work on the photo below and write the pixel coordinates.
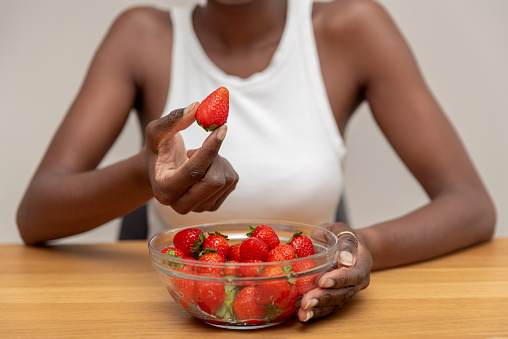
(243, 25)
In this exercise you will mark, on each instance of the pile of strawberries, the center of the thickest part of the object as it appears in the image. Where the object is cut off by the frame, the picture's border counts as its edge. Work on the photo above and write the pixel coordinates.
(251, 302)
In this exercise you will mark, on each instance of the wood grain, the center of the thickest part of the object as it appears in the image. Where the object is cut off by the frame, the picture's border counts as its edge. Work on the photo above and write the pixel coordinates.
(111, 290)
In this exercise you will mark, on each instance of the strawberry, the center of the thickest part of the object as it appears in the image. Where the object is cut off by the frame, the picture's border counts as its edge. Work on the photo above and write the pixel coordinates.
(213, 111)
(265, 233)
(232, 270)
(274, 290)
(250, 270)
(189, 241)
(282, 252)
(213, 257)
(286, 308)
(173, 252)
(184, 288)
(302, 245)
(307, 282)
(246, 308)
(210, 294)
(217, 241)
(234, 253)
(253, 248)
(289, 302)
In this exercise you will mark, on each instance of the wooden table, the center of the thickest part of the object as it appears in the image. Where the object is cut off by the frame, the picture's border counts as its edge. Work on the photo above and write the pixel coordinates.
(111, 290)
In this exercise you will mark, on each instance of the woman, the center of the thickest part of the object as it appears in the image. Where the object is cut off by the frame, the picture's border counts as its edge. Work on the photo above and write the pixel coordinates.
(296, 72)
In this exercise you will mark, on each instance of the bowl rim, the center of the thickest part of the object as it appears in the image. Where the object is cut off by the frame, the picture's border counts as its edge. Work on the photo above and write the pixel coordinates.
(327, 251)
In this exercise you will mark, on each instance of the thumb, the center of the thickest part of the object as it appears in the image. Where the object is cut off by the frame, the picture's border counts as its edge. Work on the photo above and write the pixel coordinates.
(170, 124)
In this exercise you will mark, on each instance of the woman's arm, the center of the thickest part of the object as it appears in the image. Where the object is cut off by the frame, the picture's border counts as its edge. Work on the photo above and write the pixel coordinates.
(460, 211)
(69, 195)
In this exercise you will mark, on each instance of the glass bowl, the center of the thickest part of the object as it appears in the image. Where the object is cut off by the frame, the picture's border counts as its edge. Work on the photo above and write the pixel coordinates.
(234, 295)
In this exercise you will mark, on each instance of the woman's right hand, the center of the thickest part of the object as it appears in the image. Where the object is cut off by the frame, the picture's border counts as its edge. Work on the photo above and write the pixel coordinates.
(195, 180)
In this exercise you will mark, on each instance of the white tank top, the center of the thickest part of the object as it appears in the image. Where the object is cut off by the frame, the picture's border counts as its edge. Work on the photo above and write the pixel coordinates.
(282, 138)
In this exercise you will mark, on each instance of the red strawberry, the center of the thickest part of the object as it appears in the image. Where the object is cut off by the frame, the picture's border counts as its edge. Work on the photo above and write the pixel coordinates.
(286, 308)
(173, 252)
(232, 270)
(184, 288)
(274, 290)
(210, 294)
(213, 111)
(217, 241)
(250, 270)
(307, 282)
(265, 233)
(234, 253)
(246, 308)
(290, 301)
(213, 257)
(282, 252)
(253, 248)
(302, 245)
(189, 241)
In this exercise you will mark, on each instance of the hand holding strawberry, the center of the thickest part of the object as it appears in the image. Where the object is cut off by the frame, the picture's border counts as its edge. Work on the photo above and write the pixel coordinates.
(195, 180)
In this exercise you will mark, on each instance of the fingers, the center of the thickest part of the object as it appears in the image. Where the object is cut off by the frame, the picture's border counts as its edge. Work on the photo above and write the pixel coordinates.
(348, 244)
(203, 181)
(322, 302)
(210, 192)
(329, 303)
(161, 129)
(306, 315)
(337, 287)
(197, 165)
(230, 179)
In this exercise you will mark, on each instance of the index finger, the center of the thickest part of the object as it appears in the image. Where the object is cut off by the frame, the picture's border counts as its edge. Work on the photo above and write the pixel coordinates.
(197, 165)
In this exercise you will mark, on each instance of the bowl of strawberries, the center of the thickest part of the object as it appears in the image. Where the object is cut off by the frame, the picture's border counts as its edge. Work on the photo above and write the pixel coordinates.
(242, 274)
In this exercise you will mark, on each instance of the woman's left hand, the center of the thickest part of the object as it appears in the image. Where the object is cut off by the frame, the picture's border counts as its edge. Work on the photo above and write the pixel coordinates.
(337, 287)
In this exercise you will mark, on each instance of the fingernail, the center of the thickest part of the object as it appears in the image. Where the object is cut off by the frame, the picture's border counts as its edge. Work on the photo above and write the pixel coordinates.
(327, 283)
(346, 258)
(189, 108)
(310, 314)
(221, 134)
(310, 304)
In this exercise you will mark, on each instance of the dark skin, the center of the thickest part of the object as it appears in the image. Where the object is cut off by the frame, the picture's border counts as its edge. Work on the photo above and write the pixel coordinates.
(363, 58)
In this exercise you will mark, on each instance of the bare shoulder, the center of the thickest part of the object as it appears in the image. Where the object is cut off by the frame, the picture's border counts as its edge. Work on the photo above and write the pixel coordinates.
(351, 19)
(143, 21)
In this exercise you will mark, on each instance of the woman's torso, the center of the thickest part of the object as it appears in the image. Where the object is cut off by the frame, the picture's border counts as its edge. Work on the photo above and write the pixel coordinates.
(288, 199)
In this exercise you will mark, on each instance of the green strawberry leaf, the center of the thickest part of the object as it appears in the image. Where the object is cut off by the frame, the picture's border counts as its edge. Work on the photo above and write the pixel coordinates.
(287, 268)
(198, 243)
(207, 251)
(211, 127)
(291, 277)
(272, 312)
(218, 233)
(252, 228)
(225, 311)
(294, 235)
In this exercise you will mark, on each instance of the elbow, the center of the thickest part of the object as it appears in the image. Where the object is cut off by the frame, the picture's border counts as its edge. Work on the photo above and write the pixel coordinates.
(26, 226)
(490, 216)
(485, 221)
